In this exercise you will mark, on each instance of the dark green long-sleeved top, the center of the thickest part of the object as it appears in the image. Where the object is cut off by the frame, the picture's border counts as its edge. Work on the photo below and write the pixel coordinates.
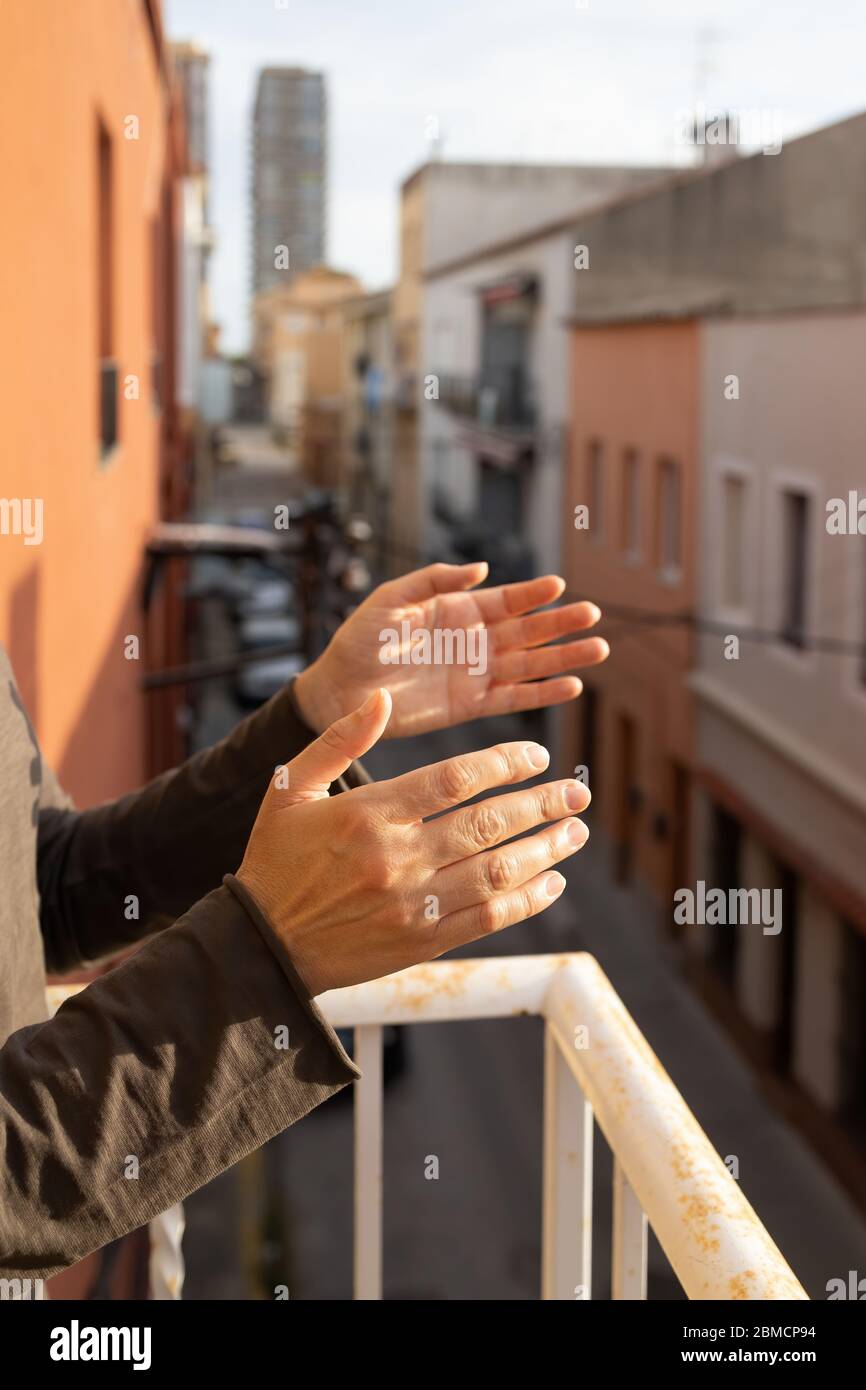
(177, 1058)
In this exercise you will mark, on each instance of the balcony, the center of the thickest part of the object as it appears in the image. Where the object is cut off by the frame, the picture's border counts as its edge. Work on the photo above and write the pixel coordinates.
(598, 1068)
(498, 401)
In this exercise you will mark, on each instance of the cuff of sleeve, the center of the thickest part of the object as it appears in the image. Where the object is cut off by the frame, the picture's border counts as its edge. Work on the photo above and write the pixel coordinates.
(299, 986)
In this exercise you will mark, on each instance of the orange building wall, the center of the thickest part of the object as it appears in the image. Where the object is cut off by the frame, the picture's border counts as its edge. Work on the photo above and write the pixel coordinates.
(635, 386)
(66, 605)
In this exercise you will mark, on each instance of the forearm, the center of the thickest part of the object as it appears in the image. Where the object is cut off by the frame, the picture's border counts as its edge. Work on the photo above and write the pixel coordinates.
(152, 1081)
(111, 875)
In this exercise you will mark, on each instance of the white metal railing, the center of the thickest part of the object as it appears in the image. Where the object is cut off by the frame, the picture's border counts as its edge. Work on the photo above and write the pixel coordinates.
(597, 1066)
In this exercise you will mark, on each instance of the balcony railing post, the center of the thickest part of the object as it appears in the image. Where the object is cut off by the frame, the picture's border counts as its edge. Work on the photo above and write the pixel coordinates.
(630, 1230)
(566, 1242)
(368, 1163)
(166, 1271)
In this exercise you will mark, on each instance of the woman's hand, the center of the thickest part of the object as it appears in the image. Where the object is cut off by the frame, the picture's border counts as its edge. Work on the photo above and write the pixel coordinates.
(521, 668)
(360, 885)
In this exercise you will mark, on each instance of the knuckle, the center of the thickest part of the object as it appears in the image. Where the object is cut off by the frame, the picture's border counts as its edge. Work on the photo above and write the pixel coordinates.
(457, 781)
(355, 820)
(406, 918)
(500, 870)
(427, 941)
(380, 875)
(527, 904)
(357, 823)
(487, 826)
(503, 760)
(332, 737)
(491, 916)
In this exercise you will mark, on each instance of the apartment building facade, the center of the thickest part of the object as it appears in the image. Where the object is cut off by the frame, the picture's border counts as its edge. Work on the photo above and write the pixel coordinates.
(629, 544)
(486, 263)
(738, 292)
(368, 414)
(289, 175)
(781, 723)
(299, 346)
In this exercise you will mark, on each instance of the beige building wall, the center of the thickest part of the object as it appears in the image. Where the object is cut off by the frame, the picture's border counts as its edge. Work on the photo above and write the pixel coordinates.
(451, 344)
(406, 492)
(789, 725)
(781, 730)
(298, 335)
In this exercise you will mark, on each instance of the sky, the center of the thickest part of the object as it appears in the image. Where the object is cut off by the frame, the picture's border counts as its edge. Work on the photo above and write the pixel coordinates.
(549, 81)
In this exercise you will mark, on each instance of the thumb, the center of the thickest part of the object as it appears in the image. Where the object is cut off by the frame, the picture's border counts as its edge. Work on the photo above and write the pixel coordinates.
(310, 774)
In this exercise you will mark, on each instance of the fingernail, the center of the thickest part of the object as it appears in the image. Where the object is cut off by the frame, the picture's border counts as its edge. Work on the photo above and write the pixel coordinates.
(554, 885)
(595, 612)
(537, 756)
(577, 796)
(577, 832)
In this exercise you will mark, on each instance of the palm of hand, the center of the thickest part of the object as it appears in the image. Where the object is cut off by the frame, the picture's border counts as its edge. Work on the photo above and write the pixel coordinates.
(425, 695)
(501, 656)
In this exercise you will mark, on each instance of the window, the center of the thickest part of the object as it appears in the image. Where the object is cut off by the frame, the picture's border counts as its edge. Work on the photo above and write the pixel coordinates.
(669, 519)
(795, 535)
(851, 1035)
(595, 488)
(733, 541)
(589, 704)
(630, 519)
(105, 292)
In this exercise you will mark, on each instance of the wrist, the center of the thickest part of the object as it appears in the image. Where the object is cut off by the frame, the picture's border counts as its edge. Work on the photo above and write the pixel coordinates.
(310, 699)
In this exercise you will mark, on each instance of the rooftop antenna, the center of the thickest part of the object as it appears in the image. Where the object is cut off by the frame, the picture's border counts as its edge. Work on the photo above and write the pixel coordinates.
(707, 40)
(434, 137)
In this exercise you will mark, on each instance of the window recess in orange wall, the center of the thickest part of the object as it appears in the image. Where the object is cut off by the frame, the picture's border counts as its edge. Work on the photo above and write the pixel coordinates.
(108, 372)
(630, 518)
(595, 488)
(669, 520)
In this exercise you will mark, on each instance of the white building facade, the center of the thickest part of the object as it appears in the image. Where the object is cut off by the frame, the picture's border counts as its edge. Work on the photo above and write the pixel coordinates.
(784, 422)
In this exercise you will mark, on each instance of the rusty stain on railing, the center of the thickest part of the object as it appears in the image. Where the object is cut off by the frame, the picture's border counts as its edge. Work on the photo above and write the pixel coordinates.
(712, 1237)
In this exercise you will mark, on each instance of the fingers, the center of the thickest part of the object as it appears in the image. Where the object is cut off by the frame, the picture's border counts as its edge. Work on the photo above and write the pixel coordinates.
(413, 796)
(545, 627)
(476, 828)
(548, 661)
(459, 928)
(508, 599)
(309, 775)
(507, 699)
(434, 579)
(501, 870)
